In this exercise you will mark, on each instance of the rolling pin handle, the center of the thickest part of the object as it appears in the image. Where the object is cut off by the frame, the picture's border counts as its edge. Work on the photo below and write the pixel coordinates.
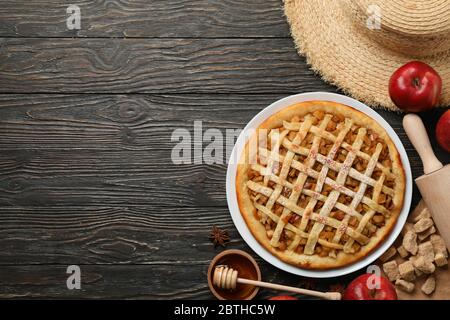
(416, 132)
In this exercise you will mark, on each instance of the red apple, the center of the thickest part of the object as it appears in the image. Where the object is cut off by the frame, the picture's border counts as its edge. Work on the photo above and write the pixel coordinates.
(443, 131)
(359, 289)
(283, 298)
(415, 87)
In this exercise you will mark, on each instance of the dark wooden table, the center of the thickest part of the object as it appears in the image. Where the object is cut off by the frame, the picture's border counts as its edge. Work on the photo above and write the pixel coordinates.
(86, 118)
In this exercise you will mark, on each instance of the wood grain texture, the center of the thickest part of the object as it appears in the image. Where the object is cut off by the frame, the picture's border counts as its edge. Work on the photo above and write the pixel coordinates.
(166, 250)
(153, 66)
(86, 176)
(99, 178)
(116, 149)
(143, 18)
(118, 122)
(146, 282)
(158, 281)
(151, 235)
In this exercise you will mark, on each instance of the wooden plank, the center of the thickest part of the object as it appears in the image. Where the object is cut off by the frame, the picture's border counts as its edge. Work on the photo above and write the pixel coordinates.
(63, 150)
(78, 177)
(163, 281)
(87, 149)
(142, 18)
(146, 282)
(153, 66)
(117, 122)
(151, 235)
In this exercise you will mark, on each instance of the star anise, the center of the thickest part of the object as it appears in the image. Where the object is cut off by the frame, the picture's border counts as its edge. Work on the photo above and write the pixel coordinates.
(219, 236)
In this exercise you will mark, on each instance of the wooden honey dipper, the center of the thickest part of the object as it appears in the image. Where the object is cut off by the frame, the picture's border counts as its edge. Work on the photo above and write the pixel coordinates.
(227, 278)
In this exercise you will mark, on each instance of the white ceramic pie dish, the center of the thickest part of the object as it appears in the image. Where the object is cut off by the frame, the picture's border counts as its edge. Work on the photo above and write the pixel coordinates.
(239, 220)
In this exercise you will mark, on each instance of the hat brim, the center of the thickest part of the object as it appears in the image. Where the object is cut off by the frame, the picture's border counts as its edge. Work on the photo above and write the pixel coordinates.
(336, 48)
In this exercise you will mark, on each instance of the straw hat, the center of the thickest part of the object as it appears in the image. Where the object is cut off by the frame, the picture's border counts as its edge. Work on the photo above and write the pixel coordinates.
(358, 44)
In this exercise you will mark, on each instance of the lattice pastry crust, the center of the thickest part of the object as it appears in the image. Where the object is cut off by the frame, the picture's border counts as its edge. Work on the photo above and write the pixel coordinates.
(320, 184)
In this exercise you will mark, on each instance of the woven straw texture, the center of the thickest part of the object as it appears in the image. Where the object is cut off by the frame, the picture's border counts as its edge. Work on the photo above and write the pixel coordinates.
(334, 37)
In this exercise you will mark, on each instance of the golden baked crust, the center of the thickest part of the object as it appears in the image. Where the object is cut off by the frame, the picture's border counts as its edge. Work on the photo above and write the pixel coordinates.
(300, 192)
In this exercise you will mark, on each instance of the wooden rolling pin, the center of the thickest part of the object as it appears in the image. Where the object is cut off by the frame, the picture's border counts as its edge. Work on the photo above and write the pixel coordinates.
(227, 278)
(434, 185)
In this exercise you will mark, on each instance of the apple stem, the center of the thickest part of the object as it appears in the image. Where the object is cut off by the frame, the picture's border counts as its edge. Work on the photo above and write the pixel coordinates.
(416, 82)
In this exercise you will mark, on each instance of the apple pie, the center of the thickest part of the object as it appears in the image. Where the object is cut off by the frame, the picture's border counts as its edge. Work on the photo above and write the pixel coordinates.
(320, 184)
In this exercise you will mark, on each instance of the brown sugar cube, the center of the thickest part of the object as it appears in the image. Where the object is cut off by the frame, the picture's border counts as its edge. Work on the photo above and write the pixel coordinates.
(423, 235)
(416, 271)
(391, 270)
(429, 285)
(406, 270)
(407, 227)
(391, 252)
(425, 213)
(426, 251)
(438, 245)
(422, 225)
(423, 265)
(440, 260)
(402, 252)
(404, 285)
(410, 242)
